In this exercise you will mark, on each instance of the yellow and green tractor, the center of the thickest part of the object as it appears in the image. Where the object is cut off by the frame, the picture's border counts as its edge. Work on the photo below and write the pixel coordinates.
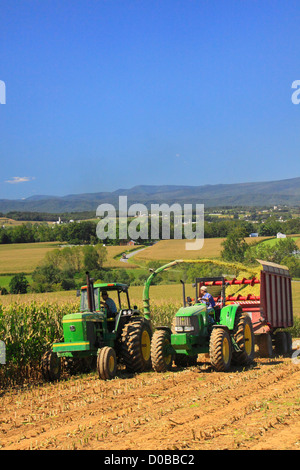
(98, 336)
(223, 331)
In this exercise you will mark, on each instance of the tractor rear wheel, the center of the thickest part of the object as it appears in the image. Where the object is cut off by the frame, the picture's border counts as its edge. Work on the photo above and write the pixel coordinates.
(160, 356)
(51, 366)
(136, 345)
(220, 350)
(107, 363)
(244, 338)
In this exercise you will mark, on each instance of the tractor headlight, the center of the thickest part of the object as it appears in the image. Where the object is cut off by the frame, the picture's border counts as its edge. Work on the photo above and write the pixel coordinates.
(189, 328)
(179, 329)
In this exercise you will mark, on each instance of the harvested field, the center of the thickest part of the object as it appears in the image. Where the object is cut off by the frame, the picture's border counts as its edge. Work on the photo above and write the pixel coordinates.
(170, 250)
(186, 409)
(23, 257)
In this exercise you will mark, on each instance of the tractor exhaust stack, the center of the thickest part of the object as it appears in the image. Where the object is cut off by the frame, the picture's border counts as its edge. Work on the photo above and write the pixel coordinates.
(90, 292)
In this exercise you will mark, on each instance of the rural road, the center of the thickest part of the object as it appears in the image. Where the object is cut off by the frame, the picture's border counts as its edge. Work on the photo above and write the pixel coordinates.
(129, 255)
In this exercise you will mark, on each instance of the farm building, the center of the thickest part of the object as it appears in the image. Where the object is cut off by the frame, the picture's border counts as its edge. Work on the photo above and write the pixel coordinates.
(127, 243)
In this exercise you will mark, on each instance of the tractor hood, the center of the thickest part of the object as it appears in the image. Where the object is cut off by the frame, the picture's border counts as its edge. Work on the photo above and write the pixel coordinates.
(192, 310)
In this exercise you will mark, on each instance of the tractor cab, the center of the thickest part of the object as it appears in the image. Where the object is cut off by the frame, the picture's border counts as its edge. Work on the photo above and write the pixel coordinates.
(209, 314)
(119, 293)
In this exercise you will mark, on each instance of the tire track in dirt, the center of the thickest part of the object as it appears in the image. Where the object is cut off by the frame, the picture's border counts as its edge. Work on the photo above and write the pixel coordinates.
(185, 409)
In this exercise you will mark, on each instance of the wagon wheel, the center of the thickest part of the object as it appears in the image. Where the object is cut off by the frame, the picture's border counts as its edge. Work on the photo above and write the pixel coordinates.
(136, 345)
(289, 343)
(244, 338)
(106, 363)
(160, 356)
(220, 350)
(281, 344)
(264, 342)
(51, 366)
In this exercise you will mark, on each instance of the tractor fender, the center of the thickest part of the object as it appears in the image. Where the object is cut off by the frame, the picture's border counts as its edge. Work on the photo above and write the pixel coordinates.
(224, 327)
(228, 314)
(165, 328)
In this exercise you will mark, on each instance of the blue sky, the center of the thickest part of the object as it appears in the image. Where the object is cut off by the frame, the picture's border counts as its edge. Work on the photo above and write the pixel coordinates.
(109, 94)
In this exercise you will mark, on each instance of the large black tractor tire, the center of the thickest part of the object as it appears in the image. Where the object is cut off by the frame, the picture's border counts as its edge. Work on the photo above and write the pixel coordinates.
(160, 357)
(220, 350)
(136, 346)
(51, 366)
(244, 337)
(107, 363)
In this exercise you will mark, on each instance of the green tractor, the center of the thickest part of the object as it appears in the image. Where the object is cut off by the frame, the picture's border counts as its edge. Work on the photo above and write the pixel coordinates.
(96, 337)
(225, 332)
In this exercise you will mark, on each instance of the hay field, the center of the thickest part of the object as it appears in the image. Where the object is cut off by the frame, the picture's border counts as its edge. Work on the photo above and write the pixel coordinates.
(169, 250)
(12, 222)
(23, 257)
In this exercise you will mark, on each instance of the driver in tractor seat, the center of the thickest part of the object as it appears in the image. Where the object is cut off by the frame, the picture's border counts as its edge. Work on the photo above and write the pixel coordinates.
(209, 300)
(206, 297)
(109, 304)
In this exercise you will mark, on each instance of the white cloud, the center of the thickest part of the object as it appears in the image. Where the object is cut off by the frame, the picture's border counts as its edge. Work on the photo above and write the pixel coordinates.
(20, 179)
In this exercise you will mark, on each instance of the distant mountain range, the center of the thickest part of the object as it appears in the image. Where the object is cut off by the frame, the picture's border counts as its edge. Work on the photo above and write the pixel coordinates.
(211, 195)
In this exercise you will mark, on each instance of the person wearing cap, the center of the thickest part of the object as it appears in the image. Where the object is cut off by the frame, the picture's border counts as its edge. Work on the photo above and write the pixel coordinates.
(206, 297)
(108, 303)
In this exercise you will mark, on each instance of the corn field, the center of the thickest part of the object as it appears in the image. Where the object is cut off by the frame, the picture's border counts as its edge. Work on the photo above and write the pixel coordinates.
(28, 330)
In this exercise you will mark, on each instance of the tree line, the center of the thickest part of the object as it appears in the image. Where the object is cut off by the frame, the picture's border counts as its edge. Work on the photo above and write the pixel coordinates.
(84, 232)
(284, 251)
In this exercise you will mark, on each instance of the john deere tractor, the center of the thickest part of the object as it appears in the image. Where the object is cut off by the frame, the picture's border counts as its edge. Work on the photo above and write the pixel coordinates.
(225, 332)
(96, 336)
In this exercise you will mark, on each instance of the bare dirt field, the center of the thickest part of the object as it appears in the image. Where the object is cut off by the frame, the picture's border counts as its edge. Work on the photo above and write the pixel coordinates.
(185, 409)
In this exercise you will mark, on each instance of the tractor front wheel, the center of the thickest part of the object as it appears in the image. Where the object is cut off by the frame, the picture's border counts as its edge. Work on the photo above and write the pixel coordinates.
(220, 350)
(107, 363)
(244, 338)
(160, 353)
